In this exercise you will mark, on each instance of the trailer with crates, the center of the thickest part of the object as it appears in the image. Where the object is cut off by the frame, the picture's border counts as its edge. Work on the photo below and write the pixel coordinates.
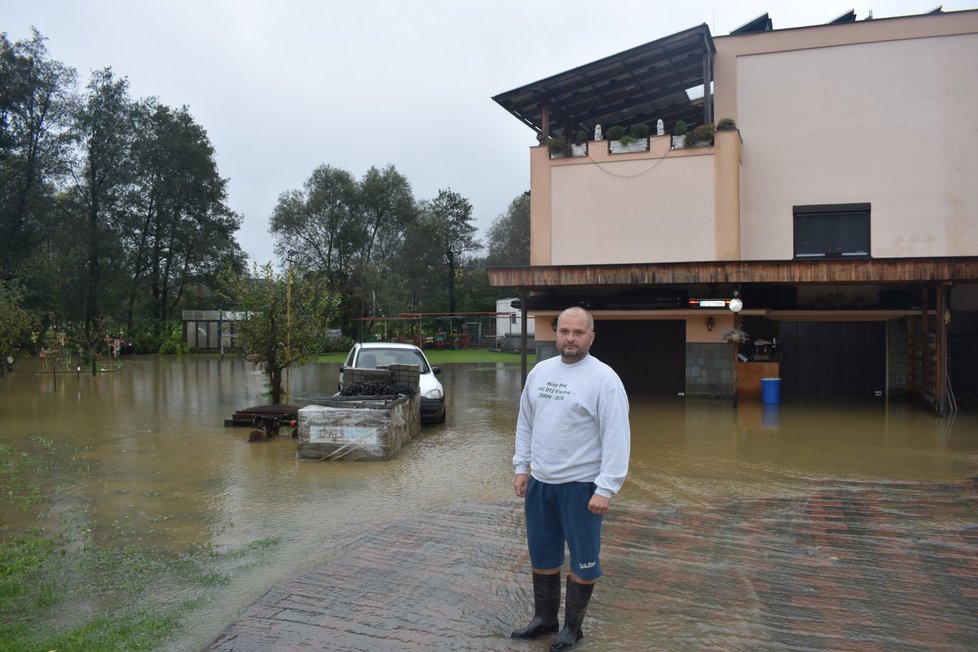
(363, 427)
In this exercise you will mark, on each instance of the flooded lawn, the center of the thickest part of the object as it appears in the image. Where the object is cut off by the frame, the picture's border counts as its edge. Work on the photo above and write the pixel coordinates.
(137, 461)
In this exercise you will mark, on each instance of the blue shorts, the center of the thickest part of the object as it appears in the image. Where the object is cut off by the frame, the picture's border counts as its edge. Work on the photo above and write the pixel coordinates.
(558, 513)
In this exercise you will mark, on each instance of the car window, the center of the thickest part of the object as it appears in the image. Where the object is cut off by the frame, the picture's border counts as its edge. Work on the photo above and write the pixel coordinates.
(372, 358)
(367, 361)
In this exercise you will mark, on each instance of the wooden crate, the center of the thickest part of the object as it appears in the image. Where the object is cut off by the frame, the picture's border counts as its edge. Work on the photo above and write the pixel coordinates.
(358, 427)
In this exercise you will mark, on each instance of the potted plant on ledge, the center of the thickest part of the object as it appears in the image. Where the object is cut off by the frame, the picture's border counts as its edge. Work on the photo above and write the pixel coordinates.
(558, 147)
(614, 135)
(701, 136)
(636, 139)
(579, 148)
(679, 131)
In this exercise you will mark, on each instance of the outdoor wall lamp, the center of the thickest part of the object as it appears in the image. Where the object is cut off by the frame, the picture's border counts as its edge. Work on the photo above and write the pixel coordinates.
(709, 323)
(735, 304)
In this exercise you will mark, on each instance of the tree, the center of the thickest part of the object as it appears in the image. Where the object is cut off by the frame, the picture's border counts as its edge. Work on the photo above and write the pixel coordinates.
(447, 220)
(350, 232)
(111, 211)
(509, 236)
(284, 320)
(416, 278)
(385, 206)
(178, 230)
(36, 102)
(385, 209)
(473, 291)
(106, 131)
(15, 322)
(319, 224)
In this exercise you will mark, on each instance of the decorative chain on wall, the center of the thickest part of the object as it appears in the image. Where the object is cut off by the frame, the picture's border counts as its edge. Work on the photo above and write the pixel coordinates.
(629, 176)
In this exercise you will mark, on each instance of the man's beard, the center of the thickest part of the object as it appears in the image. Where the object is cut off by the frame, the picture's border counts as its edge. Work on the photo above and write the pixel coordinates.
(577, 354)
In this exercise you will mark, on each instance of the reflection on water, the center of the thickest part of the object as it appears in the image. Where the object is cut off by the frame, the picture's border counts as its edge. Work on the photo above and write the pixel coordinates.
(144, 458)
(685, 449)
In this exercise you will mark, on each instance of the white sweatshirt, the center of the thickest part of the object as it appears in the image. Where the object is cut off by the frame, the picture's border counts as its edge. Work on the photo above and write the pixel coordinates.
(573, 425)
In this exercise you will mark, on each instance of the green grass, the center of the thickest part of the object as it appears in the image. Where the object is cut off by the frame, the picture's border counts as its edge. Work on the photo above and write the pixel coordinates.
(29, 584)
(440, 357)
(48, 583)
(43, 581)
(19, 472)
(136, 631)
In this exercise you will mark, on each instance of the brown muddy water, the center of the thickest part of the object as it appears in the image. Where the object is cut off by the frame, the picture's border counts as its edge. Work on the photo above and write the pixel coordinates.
(146, 462)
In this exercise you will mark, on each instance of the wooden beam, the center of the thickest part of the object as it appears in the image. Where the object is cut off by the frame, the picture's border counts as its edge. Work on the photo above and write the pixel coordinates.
(885, 270)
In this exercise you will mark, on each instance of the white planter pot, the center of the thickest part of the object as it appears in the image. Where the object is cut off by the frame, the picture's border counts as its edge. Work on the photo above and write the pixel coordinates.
(678, 142)
(641, 145)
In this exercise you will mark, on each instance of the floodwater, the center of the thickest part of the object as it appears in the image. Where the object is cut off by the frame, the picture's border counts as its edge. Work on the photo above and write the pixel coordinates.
(149, 463)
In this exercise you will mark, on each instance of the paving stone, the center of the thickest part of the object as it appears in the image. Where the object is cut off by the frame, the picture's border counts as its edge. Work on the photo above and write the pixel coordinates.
(850, 566)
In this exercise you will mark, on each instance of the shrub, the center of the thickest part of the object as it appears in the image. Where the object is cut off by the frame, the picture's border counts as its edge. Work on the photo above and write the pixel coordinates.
(143, 339)
(174, 344)
(581, 137)
(342, 343)
(726, 123)
(639, 131)
(703, 133)
(680, 128)
(558, 146)
(616, 132)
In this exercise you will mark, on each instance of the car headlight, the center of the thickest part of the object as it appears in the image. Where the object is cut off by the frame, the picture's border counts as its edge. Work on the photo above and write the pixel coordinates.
(433, 393)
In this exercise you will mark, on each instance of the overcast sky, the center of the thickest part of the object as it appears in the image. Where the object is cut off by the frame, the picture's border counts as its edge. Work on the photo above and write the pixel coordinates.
(284, 86)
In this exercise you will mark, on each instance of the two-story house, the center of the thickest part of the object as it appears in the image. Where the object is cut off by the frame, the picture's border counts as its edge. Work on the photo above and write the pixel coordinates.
(839, 206)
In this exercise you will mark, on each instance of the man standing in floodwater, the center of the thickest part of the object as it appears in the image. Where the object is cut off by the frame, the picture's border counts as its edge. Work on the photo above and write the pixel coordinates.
(572, 447)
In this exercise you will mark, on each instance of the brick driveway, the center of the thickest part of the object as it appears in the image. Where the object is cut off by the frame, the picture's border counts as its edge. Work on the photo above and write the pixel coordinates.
(844, 566)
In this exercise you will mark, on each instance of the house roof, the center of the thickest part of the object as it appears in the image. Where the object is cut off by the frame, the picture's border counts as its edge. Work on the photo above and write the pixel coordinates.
(640, 85)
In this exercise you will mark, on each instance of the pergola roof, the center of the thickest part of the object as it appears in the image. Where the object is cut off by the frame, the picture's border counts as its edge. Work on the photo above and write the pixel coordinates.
(640, 85)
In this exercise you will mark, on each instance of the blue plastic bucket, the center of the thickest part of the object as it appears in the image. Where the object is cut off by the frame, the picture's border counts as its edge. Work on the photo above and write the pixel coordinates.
(771, 390)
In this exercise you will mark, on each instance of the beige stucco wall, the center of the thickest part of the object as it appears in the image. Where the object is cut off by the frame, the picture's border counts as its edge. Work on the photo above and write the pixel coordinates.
(662, 205)
(539, 206)
(632, 211)
(727, 164)
(891, 122)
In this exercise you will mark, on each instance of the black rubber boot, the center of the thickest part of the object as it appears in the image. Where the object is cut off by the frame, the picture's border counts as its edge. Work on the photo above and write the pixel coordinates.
(578, 595)
(546, 603)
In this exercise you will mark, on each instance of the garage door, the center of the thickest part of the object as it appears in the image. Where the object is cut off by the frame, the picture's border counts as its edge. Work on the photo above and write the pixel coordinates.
(649, 356)
(833, 358)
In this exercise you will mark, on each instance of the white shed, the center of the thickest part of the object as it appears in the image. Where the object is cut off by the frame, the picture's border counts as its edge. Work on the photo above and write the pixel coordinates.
(508, 326)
